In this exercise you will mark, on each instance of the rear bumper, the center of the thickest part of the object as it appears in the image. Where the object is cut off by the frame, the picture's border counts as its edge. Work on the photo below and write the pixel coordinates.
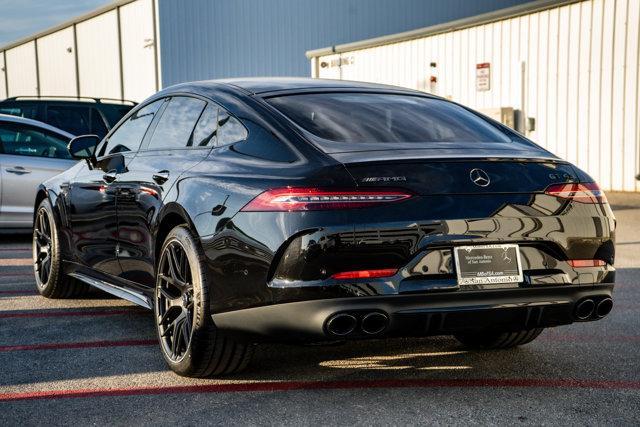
(416, 315)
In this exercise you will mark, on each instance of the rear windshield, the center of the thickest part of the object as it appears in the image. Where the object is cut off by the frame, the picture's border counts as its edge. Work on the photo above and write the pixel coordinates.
(385, 118)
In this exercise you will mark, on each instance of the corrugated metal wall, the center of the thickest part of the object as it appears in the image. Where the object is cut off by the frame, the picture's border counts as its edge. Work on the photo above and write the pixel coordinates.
(581, 78)
(99, 56)
(3, 77)
(203, 39)
(114, 48)
(24, 79)
(57, 63)
(138, 53)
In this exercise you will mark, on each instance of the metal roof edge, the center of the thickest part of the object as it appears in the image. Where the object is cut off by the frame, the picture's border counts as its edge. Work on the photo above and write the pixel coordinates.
(73, 21)
(485, 18)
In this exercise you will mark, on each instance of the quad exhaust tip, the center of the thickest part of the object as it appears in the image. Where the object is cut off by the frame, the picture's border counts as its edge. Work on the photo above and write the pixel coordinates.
(342, 324)
(604, 307)
(584, 309)
(374, 323)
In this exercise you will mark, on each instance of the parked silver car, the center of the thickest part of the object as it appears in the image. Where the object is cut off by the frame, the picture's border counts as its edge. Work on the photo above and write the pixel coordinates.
(30, 152)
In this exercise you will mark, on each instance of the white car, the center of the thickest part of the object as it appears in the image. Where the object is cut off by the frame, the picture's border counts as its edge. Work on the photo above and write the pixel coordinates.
(30, 152)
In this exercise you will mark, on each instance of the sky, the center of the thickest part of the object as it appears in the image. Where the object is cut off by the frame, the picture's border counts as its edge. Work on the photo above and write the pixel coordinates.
(21, 18)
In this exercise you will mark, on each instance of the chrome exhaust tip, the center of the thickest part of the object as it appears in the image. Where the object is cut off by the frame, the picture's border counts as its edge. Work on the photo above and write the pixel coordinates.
(584, 309)
(604, 307)
(341, 324)
(374, 323)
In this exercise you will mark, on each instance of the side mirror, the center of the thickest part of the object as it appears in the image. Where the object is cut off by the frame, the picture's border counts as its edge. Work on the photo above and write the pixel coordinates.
(83, 147)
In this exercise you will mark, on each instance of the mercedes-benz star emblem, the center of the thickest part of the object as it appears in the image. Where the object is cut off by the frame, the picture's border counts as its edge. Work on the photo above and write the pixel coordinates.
(479, 177)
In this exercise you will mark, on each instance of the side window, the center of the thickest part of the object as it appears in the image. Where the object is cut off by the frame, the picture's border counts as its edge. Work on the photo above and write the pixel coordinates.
(204, 133)
(113, 113)
(230, 130)
(74, 120)
(29, 111)
(97, 124)
(176, 124)
(24, 140)
(129, 135)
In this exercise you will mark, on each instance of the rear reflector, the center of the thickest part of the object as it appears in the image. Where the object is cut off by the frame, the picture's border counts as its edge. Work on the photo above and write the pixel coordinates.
(583, 193)
(313, 199)
(365, 274)
(577, 263)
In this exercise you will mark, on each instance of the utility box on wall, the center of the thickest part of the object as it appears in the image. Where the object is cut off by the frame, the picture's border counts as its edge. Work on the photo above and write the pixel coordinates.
(504, 115)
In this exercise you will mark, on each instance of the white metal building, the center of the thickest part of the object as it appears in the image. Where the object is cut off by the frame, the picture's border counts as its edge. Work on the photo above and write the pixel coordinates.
(108, 53)
(570, 68)
(130, 48)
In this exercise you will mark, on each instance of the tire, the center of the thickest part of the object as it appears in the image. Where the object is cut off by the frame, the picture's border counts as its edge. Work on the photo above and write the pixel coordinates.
(190, 343)
(488, 340)
(51, 281)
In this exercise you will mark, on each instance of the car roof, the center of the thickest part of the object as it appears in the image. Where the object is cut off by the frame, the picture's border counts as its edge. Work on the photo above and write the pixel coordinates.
(34, 123)
(264, 85)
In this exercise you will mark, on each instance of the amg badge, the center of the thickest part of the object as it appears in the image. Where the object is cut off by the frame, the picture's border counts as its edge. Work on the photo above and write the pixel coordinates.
(384, 179)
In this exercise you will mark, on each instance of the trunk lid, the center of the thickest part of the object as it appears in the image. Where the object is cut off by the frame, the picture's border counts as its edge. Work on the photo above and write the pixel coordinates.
(463, 176)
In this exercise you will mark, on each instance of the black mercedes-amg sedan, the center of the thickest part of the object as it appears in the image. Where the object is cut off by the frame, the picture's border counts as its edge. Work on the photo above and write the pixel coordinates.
(301, 210)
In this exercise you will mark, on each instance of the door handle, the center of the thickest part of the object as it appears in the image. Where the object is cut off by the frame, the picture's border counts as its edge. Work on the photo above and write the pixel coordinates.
(161, 176)
(109, 177)
(19, 170)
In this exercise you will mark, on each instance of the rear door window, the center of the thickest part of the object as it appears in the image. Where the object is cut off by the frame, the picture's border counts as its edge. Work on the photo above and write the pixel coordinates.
(24, 140)
(73, 119)
(206, 129)
(129, 135)
(177, 123)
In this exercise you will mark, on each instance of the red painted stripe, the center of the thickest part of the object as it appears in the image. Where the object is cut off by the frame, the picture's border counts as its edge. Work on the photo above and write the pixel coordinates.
(72, 345)
(327, 385)
(68, 313)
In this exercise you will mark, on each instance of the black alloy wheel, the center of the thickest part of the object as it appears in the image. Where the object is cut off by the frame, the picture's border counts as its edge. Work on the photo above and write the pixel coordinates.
(42, 248)
(51, 281)
(190, 342)
(174, 301)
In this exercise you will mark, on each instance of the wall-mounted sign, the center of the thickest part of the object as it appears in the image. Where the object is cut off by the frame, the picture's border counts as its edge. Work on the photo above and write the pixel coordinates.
(483, 76)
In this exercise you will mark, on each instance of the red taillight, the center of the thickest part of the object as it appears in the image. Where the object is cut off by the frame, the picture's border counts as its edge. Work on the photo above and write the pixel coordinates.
(314, 199)
(583, 193)
(365, 274)
(577, 263)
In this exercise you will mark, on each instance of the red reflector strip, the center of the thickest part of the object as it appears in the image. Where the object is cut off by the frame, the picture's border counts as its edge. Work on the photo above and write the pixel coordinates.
(583, 193)
(365, 274)
(577, 263)
(308, 199)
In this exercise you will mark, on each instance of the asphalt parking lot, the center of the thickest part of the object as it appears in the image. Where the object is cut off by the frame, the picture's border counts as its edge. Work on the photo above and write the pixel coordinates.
(95, 360)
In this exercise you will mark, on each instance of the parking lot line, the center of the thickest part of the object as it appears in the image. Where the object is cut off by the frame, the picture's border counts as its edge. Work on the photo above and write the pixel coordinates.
(72, 345)
(271, 386)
